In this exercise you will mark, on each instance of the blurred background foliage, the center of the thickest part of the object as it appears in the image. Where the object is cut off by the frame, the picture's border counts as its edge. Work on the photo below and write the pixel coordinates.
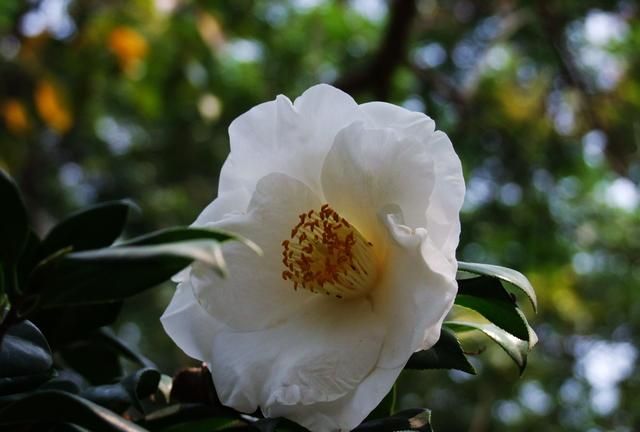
(103, 100)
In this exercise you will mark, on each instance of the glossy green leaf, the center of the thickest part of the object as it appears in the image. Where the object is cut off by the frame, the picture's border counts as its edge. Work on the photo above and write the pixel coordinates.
(65, 324)
(14, 225)
(409, 420)
(91, 228)
(68, 427)
(28, 258)
(445, 354)
(54, 406)
(512, 277)
(517, 349)
(114, 273)
(25, 358)
(97, 362)
(503, 314)
(179, 234)
(140, 385)
(66, 380)
(107, 336)
(129, 392)
(277, 425)
(203, 425)
(184, 414)
(485, 287)
(14, 232)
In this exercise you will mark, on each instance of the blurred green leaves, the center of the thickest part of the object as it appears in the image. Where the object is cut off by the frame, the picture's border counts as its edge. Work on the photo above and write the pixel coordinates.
(72, 284)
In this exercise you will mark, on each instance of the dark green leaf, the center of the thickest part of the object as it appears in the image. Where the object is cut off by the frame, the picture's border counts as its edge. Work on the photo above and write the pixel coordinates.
(14, 232)
(277, 424)
(28, 259)
(110, 396)
(204, 425)
(65, 324)
(68, 427)
(140, 385)
(516, 348)
(409, 420)
(513, 277)
(184, 414)
(91, 228)
(66, 380)
(24, 351)
(14, 225)
(128, 392)
(115, 273)
(503, 314)
(179, 234)
(445, 354)
(23, 383)
(485, 287)
(98, 279)
(94, 360)
(25, 358)
(107, 336)
(53, 406)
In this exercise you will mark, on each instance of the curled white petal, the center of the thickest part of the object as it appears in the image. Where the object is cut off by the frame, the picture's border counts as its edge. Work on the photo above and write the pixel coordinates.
(367, 169)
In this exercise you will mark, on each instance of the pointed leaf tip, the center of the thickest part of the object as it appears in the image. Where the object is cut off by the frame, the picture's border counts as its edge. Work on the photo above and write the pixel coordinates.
(516, 348)
(511, 276)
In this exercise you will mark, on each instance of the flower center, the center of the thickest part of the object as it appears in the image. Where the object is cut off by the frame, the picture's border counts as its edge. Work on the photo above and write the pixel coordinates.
(328, 255)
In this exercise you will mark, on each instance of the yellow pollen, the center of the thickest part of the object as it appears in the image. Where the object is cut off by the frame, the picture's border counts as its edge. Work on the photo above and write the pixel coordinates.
(327, 255)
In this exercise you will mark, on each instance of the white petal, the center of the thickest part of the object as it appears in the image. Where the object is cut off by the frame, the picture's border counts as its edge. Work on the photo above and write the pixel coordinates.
(224, 205)
(367, 169)
(325, 352)
(411, 123)
(414, 296)
(254, 295)
(345, 413)
(197, 334)
(319, 355)
(443, 220)
(279, 136)
(187, 323)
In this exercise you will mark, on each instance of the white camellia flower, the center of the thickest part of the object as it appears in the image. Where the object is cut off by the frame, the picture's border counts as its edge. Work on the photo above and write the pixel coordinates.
(356, 208)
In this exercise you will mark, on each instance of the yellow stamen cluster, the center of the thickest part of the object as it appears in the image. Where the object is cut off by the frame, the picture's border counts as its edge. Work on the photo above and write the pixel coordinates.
(326, 254)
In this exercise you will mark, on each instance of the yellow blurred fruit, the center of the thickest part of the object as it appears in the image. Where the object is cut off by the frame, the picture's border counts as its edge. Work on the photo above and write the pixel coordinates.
(129, 46)
(15, 116)
(52, 108)
(211, 31)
